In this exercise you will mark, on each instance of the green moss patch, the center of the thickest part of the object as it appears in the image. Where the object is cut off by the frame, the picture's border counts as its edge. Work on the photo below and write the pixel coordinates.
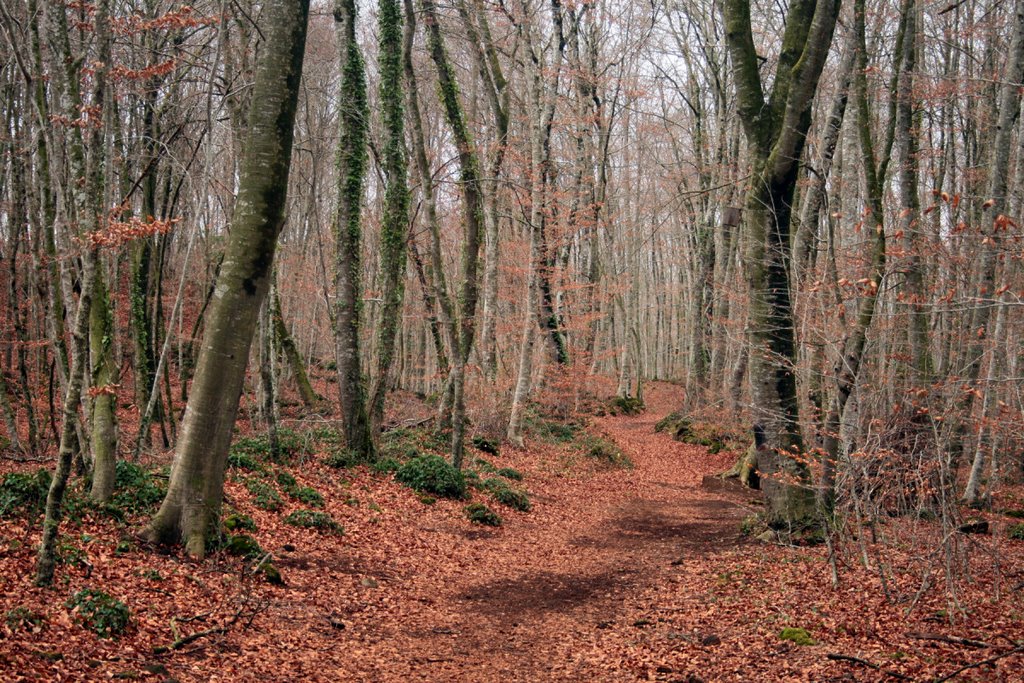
(797, 635)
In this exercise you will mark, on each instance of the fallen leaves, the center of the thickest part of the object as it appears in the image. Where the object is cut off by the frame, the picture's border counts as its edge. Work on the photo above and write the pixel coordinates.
(614, 575)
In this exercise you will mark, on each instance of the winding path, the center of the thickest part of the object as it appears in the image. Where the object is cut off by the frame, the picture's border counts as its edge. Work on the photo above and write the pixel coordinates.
(536, 601)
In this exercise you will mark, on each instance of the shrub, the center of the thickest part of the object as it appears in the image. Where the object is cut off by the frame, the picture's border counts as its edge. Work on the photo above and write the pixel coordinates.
(506, 495)
(1016, 532)
(313, 519)
(263, 495)
(247, 452)
(135, 489)
(243, 461)
(25, 491)
(485, 465)
(342, 459)
(602, 449)
(250, 449)
(553, 431)
(327, 434)
(286, 480)
(486, 445)
(67, 553)
(23, 618)
(478, 513)
(432, 474)
(239, 522)
(385, 465)
(509, 473)
(402, 443)
(99, 612)
(627, 405)
(670, 423)
(308, 495)
(243, 545)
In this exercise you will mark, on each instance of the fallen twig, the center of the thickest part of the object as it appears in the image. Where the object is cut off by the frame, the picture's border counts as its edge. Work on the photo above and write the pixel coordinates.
(954, 640)
(991, 660)
(836, 657)
(182, 641)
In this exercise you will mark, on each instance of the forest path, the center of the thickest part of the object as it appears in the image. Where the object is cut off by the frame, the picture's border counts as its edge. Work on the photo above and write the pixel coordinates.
(537, 604)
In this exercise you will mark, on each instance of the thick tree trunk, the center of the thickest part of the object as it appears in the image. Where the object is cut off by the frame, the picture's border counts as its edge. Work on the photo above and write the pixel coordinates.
(776, 130)
(191, 508)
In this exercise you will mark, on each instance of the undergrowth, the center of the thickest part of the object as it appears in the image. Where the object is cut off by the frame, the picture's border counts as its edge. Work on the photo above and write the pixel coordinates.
(313, 519)
(99, 612)
(478, 513)
(432, 474)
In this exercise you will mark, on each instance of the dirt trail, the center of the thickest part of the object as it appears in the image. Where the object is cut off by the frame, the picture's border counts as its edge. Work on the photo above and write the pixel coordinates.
(537, 608)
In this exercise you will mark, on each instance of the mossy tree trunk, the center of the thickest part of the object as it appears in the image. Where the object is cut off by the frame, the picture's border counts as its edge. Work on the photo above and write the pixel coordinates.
(434, 269)
(492, 77)
(351, 168)
(908, 122)
(776, 129)
(291, 352)
(394, 229)
(469, 164)
(104, 382)
(191, 509)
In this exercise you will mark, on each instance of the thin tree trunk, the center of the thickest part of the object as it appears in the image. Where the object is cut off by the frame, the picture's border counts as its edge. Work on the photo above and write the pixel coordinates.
(351, 165)
(394, 228)
(473, 202)
(291, 352)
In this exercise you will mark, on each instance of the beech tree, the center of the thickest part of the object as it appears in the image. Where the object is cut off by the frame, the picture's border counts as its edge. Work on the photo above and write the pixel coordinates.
(776, 128)
(191, 509)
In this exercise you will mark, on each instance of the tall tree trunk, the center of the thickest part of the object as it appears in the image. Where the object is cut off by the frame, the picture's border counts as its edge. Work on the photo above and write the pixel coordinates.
(776, 130)
(473, 202)
(87, 166)
(847, 369)
(104, 384)
(394, 229)
(191, 509)
(435, 266)
(351, 166)
(496, 88)
(907, 148)
(993, 218)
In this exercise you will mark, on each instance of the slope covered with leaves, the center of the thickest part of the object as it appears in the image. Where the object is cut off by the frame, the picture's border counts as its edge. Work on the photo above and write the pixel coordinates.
(629, 565)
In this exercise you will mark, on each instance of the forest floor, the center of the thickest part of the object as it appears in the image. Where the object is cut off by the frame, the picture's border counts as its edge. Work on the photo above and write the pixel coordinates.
(616, 574)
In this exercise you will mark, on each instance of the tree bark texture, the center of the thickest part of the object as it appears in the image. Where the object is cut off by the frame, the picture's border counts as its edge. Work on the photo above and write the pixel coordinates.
(191, 509)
